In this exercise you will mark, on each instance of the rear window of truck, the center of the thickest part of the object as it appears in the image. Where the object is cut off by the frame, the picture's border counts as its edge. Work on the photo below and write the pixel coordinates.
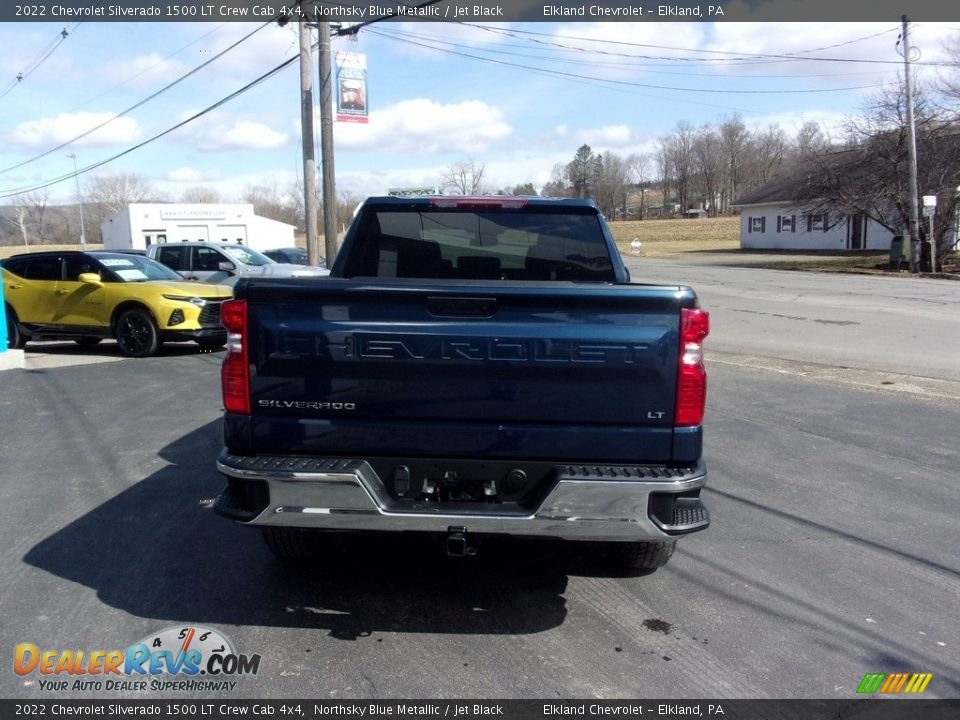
(482, 245)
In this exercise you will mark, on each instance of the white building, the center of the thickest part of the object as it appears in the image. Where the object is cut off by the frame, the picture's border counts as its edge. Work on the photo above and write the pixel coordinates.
(771, 220)
(142, 224)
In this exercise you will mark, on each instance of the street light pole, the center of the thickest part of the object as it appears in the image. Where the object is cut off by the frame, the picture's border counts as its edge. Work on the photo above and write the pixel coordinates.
(76, 177)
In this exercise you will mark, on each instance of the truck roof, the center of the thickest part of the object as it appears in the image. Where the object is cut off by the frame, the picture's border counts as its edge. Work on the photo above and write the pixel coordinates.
(479, 201)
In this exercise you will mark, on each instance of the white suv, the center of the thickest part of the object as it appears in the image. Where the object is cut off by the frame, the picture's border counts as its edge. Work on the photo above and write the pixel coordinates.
(224, 262)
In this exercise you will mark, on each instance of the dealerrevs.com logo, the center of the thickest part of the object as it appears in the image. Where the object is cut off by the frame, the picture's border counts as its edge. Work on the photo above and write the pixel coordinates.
(177, 658)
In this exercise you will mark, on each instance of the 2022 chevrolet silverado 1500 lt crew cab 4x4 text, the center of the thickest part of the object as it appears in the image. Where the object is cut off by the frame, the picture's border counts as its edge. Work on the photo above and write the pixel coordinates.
(471, 367)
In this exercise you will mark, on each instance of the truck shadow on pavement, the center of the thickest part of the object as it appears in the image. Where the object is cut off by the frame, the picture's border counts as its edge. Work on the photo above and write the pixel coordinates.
(156, 550)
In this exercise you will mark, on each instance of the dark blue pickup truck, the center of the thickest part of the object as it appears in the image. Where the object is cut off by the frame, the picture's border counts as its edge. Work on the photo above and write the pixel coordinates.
(472, 366)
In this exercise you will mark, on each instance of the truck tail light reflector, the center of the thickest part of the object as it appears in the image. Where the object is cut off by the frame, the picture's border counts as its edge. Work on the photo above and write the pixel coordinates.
(691, 374)
(235, 371)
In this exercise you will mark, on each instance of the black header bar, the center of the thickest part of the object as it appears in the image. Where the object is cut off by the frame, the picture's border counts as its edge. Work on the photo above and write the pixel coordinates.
(217, 709)
(68, 11)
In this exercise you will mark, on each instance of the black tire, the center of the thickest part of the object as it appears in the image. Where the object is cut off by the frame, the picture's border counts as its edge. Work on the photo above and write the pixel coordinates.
(137, 333)
(639, 558)
(88, 341)
(290, 543)
(16, 340)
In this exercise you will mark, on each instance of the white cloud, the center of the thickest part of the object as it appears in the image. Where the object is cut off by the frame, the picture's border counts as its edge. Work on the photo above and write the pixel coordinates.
(608, 136)
(192, 175)
(66, 126)
(241, 135)
(425, 126)
(249, 134)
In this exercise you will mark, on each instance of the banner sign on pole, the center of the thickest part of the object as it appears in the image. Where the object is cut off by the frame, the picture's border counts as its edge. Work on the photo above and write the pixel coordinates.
(351, 87)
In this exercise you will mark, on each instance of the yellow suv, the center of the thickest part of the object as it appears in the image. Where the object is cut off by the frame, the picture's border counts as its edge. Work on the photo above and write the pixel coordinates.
(88, 296)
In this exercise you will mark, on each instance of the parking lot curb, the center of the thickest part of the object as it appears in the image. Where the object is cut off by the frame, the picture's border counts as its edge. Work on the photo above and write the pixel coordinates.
(12, 360)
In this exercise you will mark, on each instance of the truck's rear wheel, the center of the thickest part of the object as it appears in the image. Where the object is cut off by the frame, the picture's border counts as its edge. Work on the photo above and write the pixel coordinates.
(290, 543)
(639, 558)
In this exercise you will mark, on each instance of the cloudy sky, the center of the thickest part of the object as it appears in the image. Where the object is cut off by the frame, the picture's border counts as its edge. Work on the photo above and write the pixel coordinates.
(518, 98)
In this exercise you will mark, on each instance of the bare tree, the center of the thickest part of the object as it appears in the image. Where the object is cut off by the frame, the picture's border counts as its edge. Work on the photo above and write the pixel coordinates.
(638, 171)
(734, 145)
(117, 190)
(810, 140)
(200, 194)
(610, 182)
(270, 202)
(675, 156)
(768, 148)
(869, 175)
(64, 225)
(21, 211)
(35, 206)
(708, 163)
(949, 84)
(556, 186)
(346, 204)
(108, 194)
(464, 177)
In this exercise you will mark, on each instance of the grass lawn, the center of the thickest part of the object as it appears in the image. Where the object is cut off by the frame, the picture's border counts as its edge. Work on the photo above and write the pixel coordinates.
(668, 237)
(660, 238)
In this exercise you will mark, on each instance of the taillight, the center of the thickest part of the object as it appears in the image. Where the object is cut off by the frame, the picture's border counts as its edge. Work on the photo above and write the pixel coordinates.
(235, 371)
(691, 374)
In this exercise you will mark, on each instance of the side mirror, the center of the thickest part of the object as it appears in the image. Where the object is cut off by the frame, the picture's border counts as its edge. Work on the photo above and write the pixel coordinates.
(90, 279)
(227, 266)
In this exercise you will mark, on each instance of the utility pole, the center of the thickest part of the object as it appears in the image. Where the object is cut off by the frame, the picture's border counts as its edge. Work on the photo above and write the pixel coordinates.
(326, 143)
(915, 250)
(309, 152)
(76, 177)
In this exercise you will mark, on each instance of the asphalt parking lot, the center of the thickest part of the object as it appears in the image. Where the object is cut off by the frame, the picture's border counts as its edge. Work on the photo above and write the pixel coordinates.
(831, 555)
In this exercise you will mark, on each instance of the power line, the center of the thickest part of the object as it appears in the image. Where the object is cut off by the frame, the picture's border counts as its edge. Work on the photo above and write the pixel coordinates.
(638, 64)
(606, 85)
(214, 106)
(147, 69)
(195, 116)
(138, 104)
(560, 73)
(733, 56)
(39, 60)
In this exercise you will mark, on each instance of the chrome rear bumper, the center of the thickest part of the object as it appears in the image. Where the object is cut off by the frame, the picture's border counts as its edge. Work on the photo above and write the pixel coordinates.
(632, 503)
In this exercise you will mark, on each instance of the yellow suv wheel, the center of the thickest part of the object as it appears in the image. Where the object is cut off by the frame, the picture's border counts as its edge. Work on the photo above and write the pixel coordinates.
(137, 333)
